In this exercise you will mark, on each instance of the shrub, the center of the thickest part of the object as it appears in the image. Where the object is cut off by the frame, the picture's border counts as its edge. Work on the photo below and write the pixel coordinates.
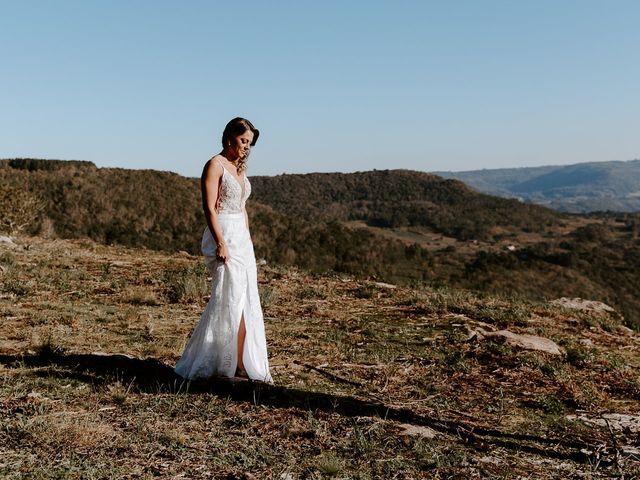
(186, 285)
(19, 208)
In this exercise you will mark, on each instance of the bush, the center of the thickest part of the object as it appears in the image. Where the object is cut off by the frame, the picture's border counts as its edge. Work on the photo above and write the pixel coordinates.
(19, 208)
(186, 285)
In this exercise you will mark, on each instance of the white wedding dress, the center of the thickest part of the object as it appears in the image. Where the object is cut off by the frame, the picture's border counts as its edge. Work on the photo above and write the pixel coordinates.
(212, 348)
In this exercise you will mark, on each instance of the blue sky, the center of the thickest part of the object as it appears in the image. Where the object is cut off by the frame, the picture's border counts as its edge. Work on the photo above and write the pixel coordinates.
(332, 85)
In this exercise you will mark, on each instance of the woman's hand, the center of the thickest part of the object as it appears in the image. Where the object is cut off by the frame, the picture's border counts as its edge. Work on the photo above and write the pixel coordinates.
(222, 254)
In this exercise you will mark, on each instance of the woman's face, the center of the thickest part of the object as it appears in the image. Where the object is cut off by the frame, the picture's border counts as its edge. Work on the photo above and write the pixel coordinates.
(241, 145)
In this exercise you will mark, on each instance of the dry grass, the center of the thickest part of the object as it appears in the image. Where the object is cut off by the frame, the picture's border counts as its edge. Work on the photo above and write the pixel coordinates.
(351, 359)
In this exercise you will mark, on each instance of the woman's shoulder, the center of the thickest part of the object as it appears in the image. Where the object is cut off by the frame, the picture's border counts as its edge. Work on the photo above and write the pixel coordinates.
(212, 167)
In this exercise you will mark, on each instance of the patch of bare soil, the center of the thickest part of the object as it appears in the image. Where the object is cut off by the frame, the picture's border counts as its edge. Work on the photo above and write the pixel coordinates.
(371, 381)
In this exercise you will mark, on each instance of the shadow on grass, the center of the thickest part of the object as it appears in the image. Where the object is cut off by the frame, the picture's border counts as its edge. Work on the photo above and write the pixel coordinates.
(152, 376)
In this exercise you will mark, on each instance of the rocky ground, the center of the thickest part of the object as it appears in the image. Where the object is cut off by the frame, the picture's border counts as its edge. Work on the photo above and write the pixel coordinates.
(371, 380)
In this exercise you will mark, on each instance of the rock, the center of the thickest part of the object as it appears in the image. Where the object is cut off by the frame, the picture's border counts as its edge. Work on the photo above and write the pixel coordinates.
(467, 320)
(528, 342)
(384, 285)
(617, 421)
(630, 452)
(582, 304)
(629, 423)
(7, 241)
(120, 263)
(625, 330)
(472, 335)
(417, 431)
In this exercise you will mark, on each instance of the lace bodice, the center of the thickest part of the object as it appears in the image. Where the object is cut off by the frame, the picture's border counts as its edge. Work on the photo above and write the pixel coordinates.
(231, 198)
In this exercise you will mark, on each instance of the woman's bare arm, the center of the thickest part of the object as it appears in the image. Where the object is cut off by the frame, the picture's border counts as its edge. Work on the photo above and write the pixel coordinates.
(210, 186)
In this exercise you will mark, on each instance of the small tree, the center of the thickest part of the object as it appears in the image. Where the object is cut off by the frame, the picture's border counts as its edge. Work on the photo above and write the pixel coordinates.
(19, 208)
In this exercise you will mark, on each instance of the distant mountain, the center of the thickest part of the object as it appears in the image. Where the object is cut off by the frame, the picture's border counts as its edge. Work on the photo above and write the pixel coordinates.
(579, 188)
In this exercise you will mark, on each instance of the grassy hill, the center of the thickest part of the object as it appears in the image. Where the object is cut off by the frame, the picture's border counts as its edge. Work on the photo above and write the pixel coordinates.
(395, 226)
(398, 198)
(583, 187)
(160, 210)
(371, 381)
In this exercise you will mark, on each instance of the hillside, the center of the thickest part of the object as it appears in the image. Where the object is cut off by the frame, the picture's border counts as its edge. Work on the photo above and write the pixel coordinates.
(583, 187)
(371, 380)
(159, 210)
(398, 198)
(394, 226)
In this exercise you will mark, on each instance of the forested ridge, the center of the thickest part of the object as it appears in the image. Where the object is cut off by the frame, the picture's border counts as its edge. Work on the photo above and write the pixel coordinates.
(397, 198)
(360, 223)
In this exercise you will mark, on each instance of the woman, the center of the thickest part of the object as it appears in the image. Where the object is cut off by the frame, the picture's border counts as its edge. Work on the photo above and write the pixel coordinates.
(229, 340)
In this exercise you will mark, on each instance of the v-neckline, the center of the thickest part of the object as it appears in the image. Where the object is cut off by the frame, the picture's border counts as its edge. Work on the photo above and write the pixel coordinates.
(241, 185)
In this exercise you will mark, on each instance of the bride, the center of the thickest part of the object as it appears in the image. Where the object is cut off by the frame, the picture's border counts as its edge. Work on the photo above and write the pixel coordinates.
(229, 339)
